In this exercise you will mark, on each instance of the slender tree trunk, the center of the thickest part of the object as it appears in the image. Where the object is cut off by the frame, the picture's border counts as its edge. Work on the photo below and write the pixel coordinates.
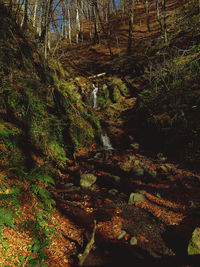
(164, 20)
(96, 26)
(90, 21)
(114, 6)
(103, 29)
(158, 13)
(131, 18)
(69, 22)
(64, 21)
(47, 22)
(40, 21)
(122, 6)
(35, 12)
(25, 16)
(147, 14)
(78, 26)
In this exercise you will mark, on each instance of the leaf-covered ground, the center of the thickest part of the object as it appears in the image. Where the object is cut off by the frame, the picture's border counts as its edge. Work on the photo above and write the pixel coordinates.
(159, 227)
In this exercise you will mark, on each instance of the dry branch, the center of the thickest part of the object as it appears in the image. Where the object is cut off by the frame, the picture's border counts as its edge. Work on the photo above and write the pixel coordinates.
(97, 75)
(89, 246)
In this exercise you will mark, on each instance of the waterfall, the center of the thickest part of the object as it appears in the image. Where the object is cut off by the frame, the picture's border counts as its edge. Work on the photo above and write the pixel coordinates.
(93, 96)
(104, 136)
(106, 141)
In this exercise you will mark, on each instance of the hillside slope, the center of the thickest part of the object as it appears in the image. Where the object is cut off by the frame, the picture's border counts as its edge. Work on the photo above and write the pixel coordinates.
(43, 121)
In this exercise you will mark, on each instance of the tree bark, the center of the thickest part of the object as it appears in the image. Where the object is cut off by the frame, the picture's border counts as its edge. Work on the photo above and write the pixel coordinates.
(35, 12)
(25, 16)
(69, 22)
(131, 18)
(164, 20)
(78, 26)
(158, 13)
(147, 15)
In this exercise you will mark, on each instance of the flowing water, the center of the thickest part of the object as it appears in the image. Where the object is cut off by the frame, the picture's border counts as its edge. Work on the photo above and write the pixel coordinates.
(93, 96)
(106, 141)
(104, 136)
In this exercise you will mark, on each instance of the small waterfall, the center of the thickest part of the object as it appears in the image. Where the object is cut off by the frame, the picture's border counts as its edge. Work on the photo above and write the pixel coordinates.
(93, 96)
(104, 136)
(106, 141)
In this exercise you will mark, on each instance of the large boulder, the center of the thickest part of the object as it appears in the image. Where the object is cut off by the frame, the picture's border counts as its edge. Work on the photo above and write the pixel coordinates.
(87, 180)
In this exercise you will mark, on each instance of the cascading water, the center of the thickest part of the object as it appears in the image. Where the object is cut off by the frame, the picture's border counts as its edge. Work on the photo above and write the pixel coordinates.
(106, 141)
(93, 96)
(104, 136)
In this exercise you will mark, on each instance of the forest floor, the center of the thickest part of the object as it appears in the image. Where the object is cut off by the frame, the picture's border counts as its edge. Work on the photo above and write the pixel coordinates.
(161, 224)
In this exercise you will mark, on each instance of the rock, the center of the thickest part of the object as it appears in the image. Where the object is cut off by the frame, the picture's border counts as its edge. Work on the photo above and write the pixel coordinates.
(135, 146)
(133, 241)
(136, 163)
(125, 166)
(121, 235)
(139, 171)
(194, 244)
(134, 197)
(163, 170)
(113, 191)
(87, 180)
(104, 87)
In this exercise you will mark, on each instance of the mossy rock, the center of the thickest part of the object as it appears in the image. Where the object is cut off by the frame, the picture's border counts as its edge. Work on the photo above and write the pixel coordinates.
(134, 197)
(87, 180)
(194, 244)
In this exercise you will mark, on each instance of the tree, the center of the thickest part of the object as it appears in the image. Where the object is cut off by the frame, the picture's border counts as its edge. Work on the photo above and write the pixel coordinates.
(35, 12)
(157, 3)
(78, 26)
(25, 16)
(147, 14)
(131, 18)
(69, 22)
(164, 20)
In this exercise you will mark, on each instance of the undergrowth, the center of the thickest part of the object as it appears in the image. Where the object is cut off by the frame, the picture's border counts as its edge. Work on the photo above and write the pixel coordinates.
(43, 122)
(170, 103)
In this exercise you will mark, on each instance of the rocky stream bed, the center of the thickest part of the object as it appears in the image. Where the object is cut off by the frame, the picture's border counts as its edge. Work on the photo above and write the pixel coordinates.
(145, 208)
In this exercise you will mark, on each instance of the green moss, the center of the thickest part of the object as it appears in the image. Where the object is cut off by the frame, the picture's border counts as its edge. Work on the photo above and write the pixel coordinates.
(194, 244)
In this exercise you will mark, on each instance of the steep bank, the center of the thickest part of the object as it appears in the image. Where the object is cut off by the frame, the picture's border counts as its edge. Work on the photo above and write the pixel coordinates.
(43, 121)
(59, 187)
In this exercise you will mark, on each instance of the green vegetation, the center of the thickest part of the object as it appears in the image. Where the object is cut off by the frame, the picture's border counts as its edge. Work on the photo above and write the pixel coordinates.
(43, 122)
(46, 116)
(169, 105)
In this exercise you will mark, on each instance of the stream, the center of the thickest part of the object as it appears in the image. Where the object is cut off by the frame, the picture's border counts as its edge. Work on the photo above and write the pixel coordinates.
(141, 205)
(104, 136)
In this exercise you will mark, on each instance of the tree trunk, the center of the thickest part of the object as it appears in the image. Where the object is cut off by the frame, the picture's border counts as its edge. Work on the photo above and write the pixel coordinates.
(147, 14)
(158, 13)
(25, 16)
(114, 6)
(47, 22)
(131, 18)
(103, 29)
(164, 20)
(78, 26)
(69, 22)
(35, 12)
(96, 26)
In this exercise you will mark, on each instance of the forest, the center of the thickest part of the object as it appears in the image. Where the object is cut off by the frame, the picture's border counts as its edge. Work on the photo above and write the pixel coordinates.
(100, 133)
